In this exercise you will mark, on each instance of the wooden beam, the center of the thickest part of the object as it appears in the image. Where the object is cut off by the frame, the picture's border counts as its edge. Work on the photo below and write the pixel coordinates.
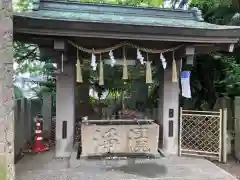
(60, 45)
(190, 52)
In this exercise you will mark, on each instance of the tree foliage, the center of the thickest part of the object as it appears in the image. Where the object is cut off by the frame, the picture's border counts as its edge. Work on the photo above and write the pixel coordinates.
(216, 74)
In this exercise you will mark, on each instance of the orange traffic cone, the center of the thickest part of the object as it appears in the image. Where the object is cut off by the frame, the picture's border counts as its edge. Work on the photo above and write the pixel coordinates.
(38, 145)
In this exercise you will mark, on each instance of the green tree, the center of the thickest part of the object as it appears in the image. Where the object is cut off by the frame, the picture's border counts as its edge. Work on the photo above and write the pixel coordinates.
(223, 68)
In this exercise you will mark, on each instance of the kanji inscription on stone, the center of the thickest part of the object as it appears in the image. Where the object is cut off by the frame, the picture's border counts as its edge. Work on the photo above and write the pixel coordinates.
(139, 140)
(106, 141)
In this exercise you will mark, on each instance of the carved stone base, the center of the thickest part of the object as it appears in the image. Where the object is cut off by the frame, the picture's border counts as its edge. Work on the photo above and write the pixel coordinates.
(119, 139)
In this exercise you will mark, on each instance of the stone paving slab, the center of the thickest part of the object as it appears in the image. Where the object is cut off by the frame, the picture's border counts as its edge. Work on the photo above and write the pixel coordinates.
(45, 167)
(232, 166)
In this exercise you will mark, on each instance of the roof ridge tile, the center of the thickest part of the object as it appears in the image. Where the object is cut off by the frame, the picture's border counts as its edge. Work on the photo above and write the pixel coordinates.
(100, 8)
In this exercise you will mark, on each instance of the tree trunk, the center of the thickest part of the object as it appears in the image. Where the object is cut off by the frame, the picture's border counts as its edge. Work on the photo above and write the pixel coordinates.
(83, 107)
(236, 4)
(7, 170)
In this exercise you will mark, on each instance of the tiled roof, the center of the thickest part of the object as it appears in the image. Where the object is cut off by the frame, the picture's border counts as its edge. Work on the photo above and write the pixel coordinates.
(103, 13)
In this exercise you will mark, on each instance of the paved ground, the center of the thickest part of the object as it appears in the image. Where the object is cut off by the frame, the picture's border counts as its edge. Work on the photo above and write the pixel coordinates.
(44, 167)
(232, 166)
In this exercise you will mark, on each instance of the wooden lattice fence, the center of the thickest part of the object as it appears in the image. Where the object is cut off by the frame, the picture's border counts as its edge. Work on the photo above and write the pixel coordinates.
(203, 133)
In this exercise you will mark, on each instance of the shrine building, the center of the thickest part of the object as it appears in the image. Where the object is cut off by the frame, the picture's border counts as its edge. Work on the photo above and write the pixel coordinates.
(80, 36)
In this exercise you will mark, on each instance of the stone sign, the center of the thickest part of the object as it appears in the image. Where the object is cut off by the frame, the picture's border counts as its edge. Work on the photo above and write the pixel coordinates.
(101, 139)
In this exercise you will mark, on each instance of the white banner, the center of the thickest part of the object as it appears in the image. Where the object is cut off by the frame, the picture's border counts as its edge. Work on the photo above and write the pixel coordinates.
(185, 83)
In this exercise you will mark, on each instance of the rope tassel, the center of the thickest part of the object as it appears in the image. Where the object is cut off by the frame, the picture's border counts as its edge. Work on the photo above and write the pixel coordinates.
(125, 68)
(62, 62)
(101, 75)
(125, 72)
(79, 70)
(148, 72)
(174, 70)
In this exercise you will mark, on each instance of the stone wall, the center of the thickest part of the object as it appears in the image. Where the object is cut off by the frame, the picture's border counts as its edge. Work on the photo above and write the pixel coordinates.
(7, 170)
(24, 113)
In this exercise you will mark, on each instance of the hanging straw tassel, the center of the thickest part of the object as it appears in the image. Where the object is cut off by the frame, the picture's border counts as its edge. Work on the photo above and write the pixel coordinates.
(174, 70)
(148, 72)
(62, 62)
(79, 70)
(125, 69)
(101, 76)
